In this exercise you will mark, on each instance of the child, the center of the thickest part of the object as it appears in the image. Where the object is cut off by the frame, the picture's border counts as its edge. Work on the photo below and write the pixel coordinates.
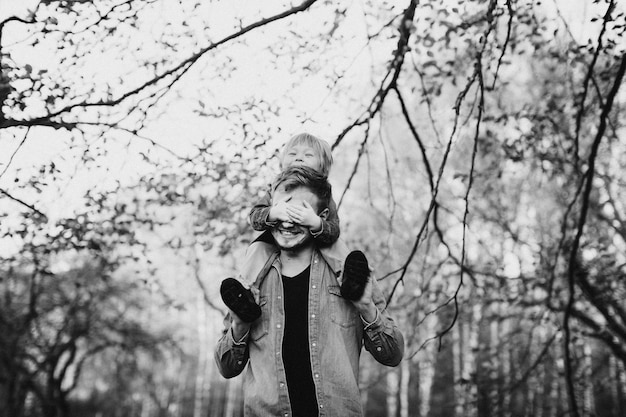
(301, 150)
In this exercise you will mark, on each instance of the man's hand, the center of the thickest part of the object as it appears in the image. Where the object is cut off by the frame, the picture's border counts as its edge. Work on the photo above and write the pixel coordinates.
(240, 327)
(366, 306)
(304, 215)
(278, 211)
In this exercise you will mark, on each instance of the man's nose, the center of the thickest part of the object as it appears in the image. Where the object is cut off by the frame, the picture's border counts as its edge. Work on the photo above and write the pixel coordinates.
(286, 225)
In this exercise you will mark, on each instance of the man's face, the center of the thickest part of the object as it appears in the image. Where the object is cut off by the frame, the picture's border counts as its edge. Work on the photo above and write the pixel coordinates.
(290, 236)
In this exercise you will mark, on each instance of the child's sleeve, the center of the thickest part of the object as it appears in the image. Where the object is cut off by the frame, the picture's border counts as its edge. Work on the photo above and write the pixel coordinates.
(260, 212)
(330, 227)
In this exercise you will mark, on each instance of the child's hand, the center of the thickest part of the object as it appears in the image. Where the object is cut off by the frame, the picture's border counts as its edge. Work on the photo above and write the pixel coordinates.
(304, 215)
(279, 210)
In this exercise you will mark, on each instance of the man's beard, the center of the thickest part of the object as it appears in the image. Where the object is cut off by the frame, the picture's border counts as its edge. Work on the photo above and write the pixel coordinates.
(290, 244)
(297, 247)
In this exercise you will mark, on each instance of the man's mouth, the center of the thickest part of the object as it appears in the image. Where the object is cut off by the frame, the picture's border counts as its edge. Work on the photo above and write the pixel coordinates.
(288, 232)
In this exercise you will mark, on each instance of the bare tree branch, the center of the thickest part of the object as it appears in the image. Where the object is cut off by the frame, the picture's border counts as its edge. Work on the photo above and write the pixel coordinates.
(610, 310)
(356, 164)
(606, 109)
(177, 71)
(23, 203)
(15, 152)
(14, 19)
(509, 27)
(391, 77)
(479, 117)
(418, 139)
(589, 76)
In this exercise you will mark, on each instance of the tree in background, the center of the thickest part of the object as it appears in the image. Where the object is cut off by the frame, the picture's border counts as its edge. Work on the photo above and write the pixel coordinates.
(483, 136)
(55, 325)
(65, 307)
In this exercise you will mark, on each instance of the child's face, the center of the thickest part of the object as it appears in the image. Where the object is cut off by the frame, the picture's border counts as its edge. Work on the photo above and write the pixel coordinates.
(302, 155)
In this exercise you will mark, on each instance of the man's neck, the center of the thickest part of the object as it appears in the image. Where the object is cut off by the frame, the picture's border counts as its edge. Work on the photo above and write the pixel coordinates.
(294, 262)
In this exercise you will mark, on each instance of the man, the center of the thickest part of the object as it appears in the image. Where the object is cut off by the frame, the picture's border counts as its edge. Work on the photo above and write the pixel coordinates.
(301, 354)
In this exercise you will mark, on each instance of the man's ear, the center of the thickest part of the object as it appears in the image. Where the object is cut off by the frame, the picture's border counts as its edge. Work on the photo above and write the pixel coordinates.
(324, 214)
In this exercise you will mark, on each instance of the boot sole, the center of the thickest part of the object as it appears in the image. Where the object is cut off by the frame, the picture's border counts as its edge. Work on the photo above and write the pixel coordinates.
(355, 276)
(239, 300)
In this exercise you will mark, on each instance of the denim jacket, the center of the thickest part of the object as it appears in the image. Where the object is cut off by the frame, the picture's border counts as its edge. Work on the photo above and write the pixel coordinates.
(336, 336)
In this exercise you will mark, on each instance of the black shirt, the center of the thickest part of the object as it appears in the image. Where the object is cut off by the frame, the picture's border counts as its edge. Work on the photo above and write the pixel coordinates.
(296, 356)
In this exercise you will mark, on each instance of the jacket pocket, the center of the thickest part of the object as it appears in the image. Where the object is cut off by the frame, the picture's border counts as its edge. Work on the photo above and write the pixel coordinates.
(342, 311)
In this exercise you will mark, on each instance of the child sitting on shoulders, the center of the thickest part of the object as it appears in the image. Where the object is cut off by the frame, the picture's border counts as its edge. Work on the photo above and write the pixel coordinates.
(306, 150)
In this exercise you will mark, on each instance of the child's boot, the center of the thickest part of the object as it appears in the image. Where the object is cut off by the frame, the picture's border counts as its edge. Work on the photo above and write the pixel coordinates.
(240, 300)
(356, 273)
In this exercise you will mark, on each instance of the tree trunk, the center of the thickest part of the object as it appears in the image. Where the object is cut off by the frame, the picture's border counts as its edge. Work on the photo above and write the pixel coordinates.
(405, 389)
(233, 398)
(519, 402)
(499, 335)
(12, 396)
(393, 390)
(416, 390)
(484, 365)
(442, 398)
(620, 379)
(586, 381)
(202, 356)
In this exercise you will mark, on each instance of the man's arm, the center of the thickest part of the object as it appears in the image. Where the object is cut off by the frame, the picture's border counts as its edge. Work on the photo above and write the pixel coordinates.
(231, 353)
(381, 336)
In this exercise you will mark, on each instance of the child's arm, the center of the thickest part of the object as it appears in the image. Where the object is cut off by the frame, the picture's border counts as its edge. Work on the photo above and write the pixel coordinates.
(263, 215)
(330, 227)
(259, 214)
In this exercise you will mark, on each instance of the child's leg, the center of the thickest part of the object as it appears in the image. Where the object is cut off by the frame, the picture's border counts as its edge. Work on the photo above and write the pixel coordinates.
(239, 299)
(356, 274)
(354, 268)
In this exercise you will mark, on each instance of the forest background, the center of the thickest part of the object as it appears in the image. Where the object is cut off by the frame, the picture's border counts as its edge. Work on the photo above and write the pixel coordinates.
(479, 162)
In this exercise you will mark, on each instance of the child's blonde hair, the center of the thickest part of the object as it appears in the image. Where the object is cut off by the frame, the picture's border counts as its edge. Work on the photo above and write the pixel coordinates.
(319, 145)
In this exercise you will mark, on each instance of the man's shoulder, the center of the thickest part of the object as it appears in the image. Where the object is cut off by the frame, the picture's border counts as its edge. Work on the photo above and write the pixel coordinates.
(260, 249)
(334, 255)
(257, 256)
